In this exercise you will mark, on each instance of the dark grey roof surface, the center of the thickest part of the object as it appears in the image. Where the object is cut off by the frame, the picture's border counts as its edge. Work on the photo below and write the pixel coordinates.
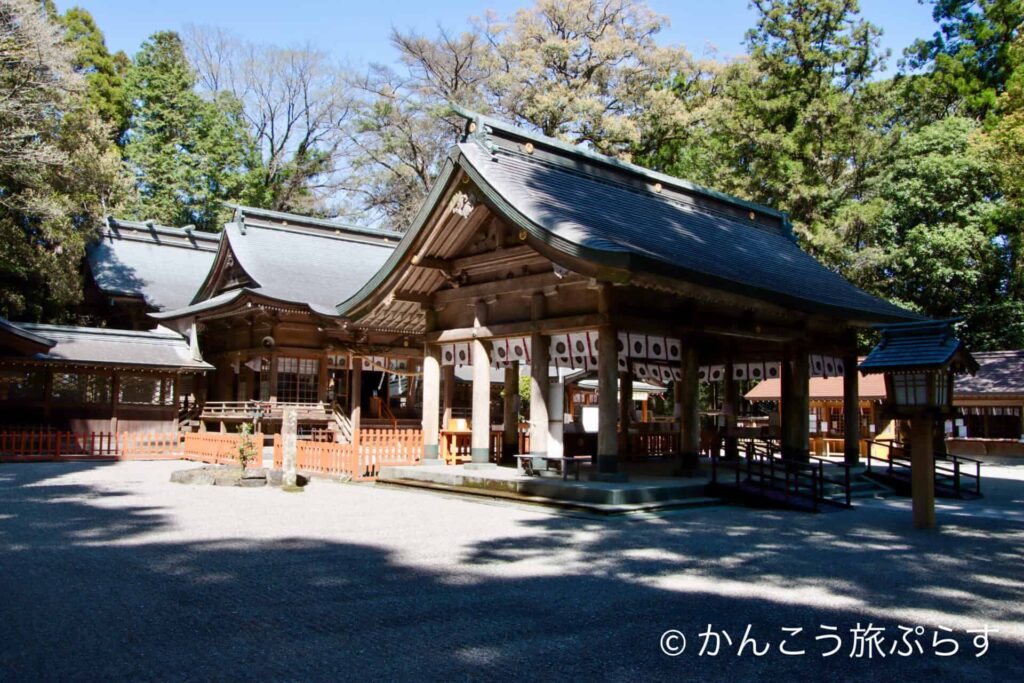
(613, 213)
(9, 328)
(164, 266)
(920, 345)
(89, 345)
(313, 268)
(999, 372)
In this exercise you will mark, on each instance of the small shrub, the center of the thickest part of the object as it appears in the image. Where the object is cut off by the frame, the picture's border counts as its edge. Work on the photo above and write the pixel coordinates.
(246, 447)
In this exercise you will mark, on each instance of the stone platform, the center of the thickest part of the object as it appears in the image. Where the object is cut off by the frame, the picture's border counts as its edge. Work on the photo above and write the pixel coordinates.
(636, 495)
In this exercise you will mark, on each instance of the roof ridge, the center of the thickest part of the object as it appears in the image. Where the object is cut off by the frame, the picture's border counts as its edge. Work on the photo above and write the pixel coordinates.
(101, 331)
(113, 223)
(312, 220)
(483, 121)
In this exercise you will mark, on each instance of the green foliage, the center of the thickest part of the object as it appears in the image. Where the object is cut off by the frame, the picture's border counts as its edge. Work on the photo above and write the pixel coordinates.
(246, 446)
(59, 173)
(968, 59)
(188, 154)
(104, 72)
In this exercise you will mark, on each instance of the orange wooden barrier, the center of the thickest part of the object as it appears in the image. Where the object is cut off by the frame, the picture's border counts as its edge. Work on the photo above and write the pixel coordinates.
(219, 449)
(47, 446)
(361, 460)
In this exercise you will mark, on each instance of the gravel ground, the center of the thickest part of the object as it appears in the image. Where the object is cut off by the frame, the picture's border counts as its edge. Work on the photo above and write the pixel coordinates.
(109, 571)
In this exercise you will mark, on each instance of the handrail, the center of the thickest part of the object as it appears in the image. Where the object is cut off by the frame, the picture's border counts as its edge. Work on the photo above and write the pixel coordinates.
(764, 453)
(952, 471)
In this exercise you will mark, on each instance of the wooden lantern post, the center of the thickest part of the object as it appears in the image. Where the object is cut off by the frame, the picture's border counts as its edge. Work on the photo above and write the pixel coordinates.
(919, 360)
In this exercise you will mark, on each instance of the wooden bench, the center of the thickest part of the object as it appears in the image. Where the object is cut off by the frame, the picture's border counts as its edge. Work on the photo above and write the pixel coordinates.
(565, 461)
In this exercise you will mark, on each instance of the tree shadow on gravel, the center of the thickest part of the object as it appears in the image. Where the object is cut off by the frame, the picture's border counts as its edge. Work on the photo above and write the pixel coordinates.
(575, 598)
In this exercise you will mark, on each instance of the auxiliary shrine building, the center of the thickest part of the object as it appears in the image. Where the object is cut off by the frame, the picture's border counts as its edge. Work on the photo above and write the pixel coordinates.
(529, 257)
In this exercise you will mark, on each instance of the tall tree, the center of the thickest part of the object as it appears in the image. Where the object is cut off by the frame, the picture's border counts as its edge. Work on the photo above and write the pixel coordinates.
(188, 154)
(104, 72)
(59, 174)
(968, 59)
(297, 108)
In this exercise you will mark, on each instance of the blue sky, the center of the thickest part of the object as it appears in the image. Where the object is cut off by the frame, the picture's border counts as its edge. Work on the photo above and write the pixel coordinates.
(357, 32)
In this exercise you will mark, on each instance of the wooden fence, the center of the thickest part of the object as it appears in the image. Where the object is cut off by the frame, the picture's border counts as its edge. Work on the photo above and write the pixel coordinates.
(361, 460)
(47, 446)
(215, 448)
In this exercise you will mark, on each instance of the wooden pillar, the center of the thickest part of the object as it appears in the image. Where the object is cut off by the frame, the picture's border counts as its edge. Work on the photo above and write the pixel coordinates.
(607, 392)
(607, 403)
(851, 410)
(356, 398)
(795, 406)
(539, 359)
(480, 440)
(689, 407)
(321, 380)
(730, 407)
(431, 401)
(273, 378)
(625, 403)
(922, 471)
(448, 374)
(510, 416)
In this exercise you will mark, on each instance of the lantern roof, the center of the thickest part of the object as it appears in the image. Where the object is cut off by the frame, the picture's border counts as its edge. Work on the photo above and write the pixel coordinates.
(925, 345)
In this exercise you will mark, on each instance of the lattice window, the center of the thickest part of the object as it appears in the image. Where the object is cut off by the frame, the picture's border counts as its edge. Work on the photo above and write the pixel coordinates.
(22, 385)
(140, 390)
(168, 397)
(75, 387)
(298, 380)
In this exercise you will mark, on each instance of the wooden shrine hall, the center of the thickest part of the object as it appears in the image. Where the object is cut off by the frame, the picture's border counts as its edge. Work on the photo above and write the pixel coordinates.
(532, 252)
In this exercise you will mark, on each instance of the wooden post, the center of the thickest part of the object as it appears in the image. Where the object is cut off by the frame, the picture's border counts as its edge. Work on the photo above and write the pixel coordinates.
(448, 374)
(689, 408)
(539, 359)
(625, 403)
(795, 406)
(480, 440)
(922, 471)
(731, 407)
(431, 400)
(851, 410)
(607, 394)
(510, 417)
(356, 398)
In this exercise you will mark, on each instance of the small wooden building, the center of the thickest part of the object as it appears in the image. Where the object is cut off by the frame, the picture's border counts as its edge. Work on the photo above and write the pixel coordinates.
(93, 380)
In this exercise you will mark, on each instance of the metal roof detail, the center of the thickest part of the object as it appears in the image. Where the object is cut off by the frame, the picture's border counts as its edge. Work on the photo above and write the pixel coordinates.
(159, 348)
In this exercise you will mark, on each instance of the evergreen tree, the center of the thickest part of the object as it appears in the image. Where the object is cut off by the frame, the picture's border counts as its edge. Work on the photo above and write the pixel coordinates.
(188, 154)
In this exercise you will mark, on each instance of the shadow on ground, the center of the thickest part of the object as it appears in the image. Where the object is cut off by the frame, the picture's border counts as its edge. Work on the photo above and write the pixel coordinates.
(569, 598)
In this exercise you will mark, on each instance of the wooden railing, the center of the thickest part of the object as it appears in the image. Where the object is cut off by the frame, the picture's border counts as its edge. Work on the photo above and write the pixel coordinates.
(956, 473)
(456, 445)
(219, 449)
(28, 446)
(361, 460)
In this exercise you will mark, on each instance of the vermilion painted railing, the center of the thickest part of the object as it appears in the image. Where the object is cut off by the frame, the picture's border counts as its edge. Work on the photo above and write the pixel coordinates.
(219, 449)
(361, 460)
(42, 446)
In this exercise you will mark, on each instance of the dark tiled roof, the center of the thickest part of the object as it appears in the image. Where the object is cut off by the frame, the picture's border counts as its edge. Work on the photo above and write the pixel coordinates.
(23, 340)
(161, 349)
(921, 345)
(621, 215)
(161, 265)
(999, 372)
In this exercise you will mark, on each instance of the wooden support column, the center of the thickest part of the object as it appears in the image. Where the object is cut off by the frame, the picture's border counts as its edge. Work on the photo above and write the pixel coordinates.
(448, 373)
(356, 391)
(922, 471)
(689, 407)
(480, 440)
(607, 393)
(795, 406)
(730, 407)
(510, 416)
(322, 380)
(625, 403)
(851, 410)
(431, 403)
(539, 360)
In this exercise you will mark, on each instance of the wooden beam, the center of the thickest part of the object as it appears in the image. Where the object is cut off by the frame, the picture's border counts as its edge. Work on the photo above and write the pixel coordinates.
(515, 285)
(550, 326)
(414, 297)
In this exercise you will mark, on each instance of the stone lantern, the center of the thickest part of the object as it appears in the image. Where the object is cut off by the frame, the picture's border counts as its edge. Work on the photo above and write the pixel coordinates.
(919, 360)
